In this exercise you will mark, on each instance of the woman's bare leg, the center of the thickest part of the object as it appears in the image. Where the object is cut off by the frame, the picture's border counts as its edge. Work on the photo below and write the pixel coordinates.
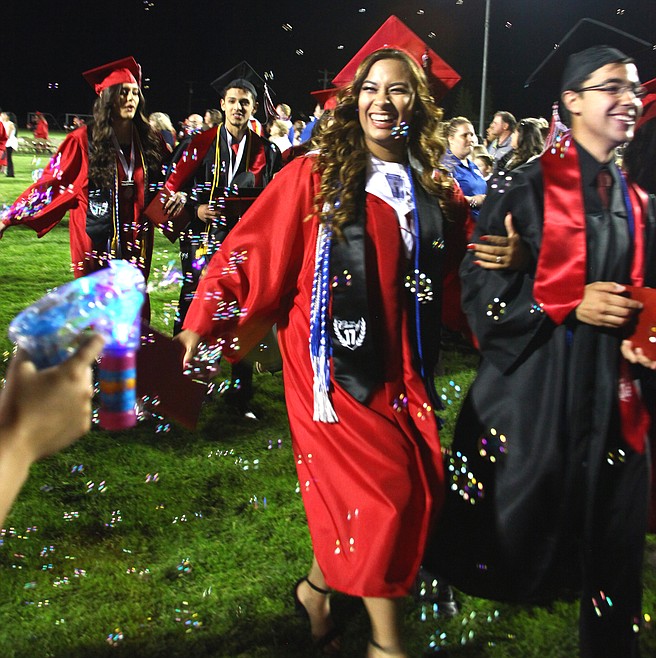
(317, 605)
(385, 628)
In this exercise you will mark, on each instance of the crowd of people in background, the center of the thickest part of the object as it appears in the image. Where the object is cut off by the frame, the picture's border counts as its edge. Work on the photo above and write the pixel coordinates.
(379, 186)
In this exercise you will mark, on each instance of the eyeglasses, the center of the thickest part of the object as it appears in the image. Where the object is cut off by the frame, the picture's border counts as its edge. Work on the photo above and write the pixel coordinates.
(617, 90)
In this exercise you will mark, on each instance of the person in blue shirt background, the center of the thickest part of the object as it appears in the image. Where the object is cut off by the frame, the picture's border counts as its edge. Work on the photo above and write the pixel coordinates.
(461, 140)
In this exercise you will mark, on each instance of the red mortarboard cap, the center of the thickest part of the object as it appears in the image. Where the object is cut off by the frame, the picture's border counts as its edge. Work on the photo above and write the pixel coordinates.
(121, 71)
(395, 34)
(327, 98)
(648, 104)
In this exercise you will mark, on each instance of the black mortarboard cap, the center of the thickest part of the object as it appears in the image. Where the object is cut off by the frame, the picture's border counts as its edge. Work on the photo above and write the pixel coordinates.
(581, 65)
(579, 53)
(244, 75)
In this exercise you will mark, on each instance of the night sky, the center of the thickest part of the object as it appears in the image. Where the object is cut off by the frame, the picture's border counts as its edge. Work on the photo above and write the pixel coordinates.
(183, 46)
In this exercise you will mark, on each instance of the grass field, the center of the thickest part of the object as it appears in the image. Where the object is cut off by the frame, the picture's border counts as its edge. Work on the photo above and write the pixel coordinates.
(163, 542)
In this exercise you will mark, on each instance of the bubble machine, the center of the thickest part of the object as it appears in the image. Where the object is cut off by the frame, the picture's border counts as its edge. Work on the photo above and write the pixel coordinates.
(108, 302)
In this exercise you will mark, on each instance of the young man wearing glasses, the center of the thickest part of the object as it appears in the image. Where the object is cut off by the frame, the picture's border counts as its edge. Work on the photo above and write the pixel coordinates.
(553, 433)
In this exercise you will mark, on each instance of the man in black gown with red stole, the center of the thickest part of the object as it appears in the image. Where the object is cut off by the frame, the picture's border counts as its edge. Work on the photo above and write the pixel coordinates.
(548, 474)
(226, 159)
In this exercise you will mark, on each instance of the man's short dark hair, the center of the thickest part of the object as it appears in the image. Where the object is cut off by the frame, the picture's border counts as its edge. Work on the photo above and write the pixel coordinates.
(243, 84)
(507, 118)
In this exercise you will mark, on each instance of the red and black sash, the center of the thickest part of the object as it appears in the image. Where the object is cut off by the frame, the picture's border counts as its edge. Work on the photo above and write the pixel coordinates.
(560, 277)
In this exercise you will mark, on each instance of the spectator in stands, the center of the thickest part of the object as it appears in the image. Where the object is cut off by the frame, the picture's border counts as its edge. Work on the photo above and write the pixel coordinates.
(527, 144)
(299, 127)
(212, 118)
(3, 148)
(278, 134)
(485, 163)
(161, 123)
(284, 113)
(41, 134)
(501, 130)
(460, 137)
(12, 142)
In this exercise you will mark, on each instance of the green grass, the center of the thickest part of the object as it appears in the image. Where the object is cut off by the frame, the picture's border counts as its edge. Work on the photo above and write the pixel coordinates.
(192, 562)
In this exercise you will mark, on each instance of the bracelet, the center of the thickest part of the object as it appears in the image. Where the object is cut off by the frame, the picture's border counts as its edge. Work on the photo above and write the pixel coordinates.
(473, 204)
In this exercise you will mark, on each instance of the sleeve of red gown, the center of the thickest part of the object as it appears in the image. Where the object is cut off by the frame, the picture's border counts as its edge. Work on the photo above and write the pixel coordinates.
(44, 203)
(251, 280)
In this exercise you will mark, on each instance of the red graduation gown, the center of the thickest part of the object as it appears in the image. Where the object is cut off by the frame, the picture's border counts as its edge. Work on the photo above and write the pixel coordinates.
(3, 145)
(371, 483)
(64, 187)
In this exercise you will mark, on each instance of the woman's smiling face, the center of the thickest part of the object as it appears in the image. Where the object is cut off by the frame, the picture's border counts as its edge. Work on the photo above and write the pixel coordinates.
(386, 99)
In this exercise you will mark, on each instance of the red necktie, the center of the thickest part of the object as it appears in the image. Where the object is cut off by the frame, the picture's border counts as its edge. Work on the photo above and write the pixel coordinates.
(604, 183)
(235, 152)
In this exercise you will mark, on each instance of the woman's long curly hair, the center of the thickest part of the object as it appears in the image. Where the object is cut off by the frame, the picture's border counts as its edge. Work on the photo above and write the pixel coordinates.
(343, 154)
(102, 159)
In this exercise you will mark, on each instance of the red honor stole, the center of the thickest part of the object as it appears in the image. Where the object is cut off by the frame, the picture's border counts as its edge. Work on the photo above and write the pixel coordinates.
(191, 158)
(560, 277)
(258, 159)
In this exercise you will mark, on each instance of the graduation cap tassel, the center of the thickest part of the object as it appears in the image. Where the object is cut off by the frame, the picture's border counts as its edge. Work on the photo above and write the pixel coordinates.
(557, 129)
(269, 107)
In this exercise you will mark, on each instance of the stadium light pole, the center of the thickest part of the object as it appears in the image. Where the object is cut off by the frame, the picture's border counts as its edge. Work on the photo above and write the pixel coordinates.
(486, 39)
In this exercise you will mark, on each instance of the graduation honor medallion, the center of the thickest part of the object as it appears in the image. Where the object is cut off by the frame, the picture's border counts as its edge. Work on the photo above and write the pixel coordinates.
(127, 188)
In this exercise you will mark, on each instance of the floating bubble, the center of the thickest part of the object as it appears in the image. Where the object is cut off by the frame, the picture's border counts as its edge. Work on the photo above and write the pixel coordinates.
(115, 638)
(184, 567)
(187, 618)
(616, 457)
(115, 519)
(462, 480)
(602, 604)
(492, 445)
(496, 309)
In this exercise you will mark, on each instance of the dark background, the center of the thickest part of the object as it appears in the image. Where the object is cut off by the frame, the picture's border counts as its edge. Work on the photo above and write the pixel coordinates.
(183, 46)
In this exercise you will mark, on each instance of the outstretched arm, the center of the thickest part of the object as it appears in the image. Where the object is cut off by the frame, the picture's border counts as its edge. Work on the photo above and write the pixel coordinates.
(41, 412)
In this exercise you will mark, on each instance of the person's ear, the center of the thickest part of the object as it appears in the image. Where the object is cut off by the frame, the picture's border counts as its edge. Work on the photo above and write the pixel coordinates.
(571, 101)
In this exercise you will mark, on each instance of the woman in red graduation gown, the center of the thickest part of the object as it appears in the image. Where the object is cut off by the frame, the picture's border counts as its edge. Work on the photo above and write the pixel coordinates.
(101, 174)
(346, 251)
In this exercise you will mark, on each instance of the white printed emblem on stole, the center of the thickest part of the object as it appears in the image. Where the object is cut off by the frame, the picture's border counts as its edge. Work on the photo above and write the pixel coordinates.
(98, 209)
(350, 333)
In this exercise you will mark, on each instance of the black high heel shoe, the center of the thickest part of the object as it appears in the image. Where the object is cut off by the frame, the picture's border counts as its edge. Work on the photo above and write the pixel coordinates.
(323, 643)
(387, 652)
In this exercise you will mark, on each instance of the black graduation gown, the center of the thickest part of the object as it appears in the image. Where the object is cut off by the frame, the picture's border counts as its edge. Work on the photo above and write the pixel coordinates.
(263, 154)
(543, 493)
